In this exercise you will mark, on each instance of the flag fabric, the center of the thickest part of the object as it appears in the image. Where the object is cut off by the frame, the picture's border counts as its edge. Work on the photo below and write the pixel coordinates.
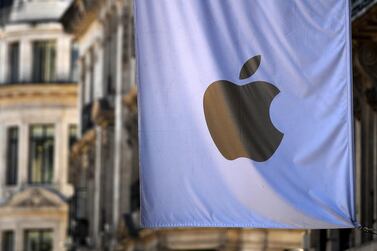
(245, 113)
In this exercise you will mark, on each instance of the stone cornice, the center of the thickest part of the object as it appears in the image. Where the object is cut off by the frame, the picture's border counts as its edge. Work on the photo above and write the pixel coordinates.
(15, 95)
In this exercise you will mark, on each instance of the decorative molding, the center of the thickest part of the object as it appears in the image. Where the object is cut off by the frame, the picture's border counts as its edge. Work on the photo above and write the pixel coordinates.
(38, 94)
(34, 198)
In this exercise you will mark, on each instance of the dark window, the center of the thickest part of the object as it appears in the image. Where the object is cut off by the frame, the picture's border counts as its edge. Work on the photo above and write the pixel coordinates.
(14, 62)
(7, 241)
(38, 240)
(41, 154)
(44, 54)
(74, 65)
(72, 135)
(5, 3)
(110, 56)
(12, 156)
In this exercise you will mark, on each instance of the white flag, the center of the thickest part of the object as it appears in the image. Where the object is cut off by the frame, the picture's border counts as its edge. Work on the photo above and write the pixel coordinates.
(245, 113)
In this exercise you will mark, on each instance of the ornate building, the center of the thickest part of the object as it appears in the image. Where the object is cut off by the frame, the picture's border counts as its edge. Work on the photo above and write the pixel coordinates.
(364, 28)
(38, 122)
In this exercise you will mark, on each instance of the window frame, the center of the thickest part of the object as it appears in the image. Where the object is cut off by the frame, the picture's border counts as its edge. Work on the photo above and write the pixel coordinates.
(14, 72)
(4, 244)
(40, 233)
(34, 140)
(39, 70)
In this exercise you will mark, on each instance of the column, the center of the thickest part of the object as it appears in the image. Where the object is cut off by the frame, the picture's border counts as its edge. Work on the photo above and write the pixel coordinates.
(60, 154)
(80, 97)
(18, 239)
(118, 120)
(98, 71)
(87, 83)
(367, 58)
(23, 164)
(3, 61)
(26, 60)
(357, 237)
(3, 150)
(97, 186)
(63, 58)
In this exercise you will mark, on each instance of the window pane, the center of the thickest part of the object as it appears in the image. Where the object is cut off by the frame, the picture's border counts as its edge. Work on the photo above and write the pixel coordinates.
(37, 131)
(44, 60)
(8, 241)
(12, 156)
(14, 57)
(41, 154)
(38, 240)
(32, 241)
(46, 244)
(49, 131)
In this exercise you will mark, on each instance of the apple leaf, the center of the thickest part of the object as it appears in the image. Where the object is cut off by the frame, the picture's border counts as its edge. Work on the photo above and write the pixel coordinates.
(250, 67)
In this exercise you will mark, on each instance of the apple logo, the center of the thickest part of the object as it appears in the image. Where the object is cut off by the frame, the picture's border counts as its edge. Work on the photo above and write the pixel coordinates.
(238, 117)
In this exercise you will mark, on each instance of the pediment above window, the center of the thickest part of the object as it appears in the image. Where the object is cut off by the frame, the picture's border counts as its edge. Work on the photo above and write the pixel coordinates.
(35, 198)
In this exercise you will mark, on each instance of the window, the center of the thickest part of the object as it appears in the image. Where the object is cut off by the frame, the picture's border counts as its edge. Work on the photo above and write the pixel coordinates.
(38, 240)
(14, 62)
(44, 57)
(7, 241)
(12, 156)
(41, 154)
(109, 57)
(72, 135)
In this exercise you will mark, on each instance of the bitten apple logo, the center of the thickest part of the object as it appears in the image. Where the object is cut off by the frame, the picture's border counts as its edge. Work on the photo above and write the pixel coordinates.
(238, 116)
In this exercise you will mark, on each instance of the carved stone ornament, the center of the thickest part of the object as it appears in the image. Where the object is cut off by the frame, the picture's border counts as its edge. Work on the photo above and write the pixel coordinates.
(35, 198)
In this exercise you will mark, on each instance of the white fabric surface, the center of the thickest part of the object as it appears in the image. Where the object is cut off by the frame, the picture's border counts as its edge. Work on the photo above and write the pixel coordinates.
(185, 45)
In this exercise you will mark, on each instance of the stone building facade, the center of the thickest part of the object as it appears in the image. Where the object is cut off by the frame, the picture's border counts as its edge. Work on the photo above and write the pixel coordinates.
(38, 123)
(104, 161)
